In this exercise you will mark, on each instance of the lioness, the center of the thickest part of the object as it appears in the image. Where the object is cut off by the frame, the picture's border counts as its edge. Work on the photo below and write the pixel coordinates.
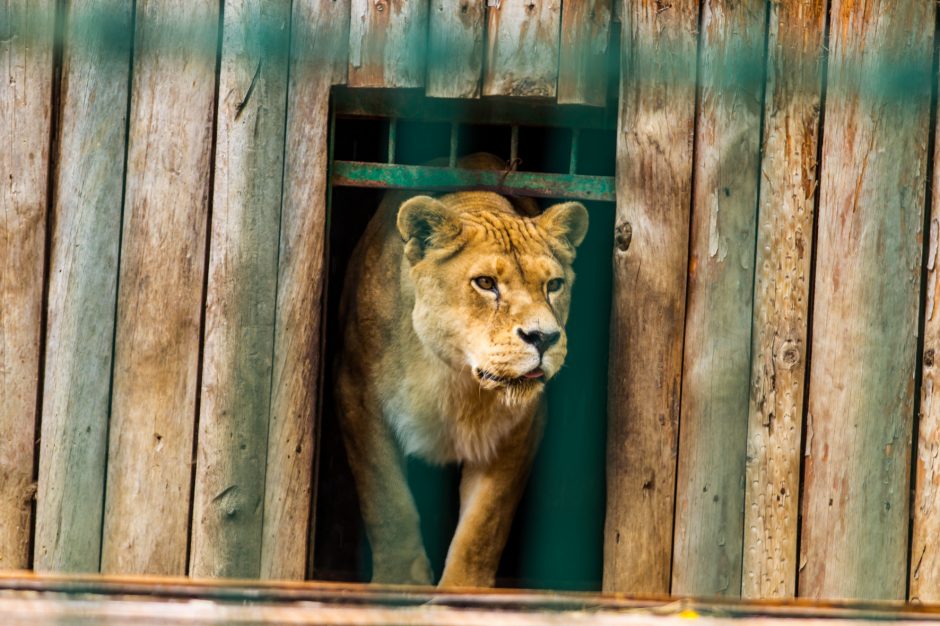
(453, 311)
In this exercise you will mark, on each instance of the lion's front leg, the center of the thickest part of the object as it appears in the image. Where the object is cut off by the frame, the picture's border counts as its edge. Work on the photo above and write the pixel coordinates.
(489, 495)
(388, 508)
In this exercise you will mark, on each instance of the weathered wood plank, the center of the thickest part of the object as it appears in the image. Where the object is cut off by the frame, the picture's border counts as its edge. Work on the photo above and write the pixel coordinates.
(654, 190)
(387, 43)
(861, 395)
(715, 391)
(781, 299)
(522, 48)
(83, 287)
(582, 66)
(301, 278)
(925, 551)
(25, 126)
(455, 48)
(146, 520)
(242, 285)
(34, 601)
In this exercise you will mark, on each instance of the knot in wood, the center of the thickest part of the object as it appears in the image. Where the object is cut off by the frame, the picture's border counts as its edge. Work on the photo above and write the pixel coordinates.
(380, 5)
(928, 358)
(789, 355)
(623, 235)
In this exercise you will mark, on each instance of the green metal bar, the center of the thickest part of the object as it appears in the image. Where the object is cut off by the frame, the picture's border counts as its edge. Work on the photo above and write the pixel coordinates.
(392, 138)
(573, 163)
(453, 145)
(562, 186)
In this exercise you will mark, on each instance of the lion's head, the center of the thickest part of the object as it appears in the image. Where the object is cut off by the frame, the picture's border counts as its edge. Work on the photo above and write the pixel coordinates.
(492, 288)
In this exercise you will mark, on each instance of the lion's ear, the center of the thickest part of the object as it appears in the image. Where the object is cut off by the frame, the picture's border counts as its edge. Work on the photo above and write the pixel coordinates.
(425, 223)
(568, 220)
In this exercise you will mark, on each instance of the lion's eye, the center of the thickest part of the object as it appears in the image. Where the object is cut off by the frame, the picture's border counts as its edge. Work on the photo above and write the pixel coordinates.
(554, 285)
(486, 283)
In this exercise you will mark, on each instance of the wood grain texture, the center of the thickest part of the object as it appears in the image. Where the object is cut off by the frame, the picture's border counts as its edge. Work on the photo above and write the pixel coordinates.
(25, 125)
(861, 396)
(781, 299)
(715, 391)
(925, 551)
(301, 278)
(36, 601)
(82, 288)
(242, 285)
(582, 65)
(455, 48)
(160, 294)
(388, 43)
(522, 41)
(654, 189)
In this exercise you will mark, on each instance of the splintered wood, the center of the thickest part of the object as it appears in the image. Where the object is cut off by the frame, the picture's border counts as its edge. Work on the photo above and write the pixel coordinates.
(387, 40)
(228, 504)
(522, 48)
(83, 275)
(25, 127)
(781, 297)
(455, 48)
(295, 387)
(871, 217)
(707, 557)
(654, 188)
(160, 299)
(582, 67)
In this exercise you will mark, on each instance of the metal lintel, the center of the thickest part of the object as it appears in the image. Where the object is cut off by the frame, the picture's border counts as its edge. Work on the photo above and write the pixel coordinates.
(427, 178)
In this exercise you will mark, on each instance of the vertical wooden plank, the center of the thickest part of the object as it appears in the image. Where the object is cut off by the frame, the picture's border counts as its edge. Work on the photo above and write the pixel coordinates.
(781, 299)
(861, 396)
(713, 436)
(582, 67)
(239, 333)
(387, 43)
(654, 189)
(522, 48)
(25, 124)
(455, 48)
(925, 551)
(146, 522)
(83, 286)
(317, 63)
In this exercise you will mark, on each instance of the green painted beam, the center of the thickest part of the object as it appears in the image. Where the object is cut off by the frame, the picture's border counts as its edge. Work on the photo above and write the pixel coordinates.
(385, 176)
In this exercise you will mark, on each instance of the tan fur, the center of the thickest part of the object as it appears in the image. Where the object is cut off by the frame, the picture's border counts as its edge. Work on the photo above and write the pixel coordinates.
(433, 366)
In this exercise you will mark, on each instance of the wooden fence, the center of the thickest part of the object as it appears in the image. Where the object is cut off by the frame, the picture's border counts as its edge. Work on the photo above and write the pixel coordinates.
(162, 219)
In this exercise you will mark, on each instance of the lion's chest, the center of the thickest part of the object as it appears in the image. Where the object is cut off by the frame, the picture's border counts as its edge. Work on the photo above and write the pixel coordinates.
(451, 420)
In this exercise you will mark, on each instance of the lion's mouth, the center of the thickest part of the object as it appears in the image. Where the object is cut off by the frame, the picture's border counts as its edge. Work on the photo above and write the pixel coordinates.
(533, 376)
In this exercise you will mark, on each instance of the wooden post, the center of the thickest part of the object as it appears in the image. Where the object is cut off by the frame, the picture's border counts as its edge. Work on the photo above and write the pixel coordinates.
(925, 551)
(239, 332)
(781, 299)
(522, 48)
(318, 61)
(387, 43)
(160, 295)
(83, 287)
(455, 48)
(861, 396)
(25, 127)
(582, 67)
(710, 489)
(654, 188)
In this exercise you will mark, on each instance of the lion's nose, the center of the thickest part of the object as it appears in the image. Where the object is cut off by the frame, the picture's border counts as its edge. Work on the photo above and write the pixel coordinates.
(541, 340)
